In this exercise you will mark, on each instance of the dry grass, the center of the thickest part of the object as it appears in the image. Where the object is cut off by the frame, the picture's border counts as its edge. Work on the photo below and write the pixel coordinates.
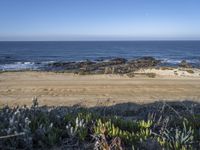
(166, 68)
(150, 75)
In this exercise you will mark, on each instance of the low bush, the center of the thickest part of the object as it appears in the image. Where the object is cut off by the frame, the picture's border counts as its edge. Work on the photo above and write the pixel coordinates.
(163, 127)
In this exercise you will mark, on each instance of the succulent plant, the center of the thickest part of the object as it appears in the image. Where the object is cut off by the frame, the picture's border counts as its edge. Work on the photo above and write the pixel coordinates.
(44, 127)
(109, 129)
(77, 128)
(177, 139)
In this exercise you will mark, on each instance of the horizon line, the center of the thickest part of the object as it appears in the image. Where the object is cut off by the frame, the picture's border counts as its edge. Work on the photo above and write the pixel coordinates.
(97, 40)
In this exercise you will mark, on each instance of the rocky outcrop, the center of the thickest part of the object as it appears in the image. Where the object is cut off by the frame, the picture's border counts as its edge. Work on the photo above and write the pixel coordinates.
(144, 62)
(112, 66)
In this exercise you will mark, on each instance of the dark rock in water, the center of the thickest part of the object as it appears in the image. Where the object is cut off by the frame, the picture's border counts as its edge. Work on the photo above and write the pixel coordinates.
(100, 59)
(150, 60)
(86, 63)
(38, 63)
(119, 60)
(185, 64)
(63, 65)
(70, 65)
(59, 64)
(147, 58)
(106, 64)
(7, 57)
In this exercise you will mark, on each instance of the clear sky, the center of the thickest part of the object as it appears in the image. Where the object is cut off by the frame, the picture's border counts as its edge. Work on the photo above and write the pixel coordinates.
(99, 19)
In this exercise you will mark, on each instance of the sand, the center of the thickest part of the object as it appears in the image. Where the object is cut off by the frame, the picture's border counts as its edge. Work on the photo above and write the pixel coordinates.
(56, 89)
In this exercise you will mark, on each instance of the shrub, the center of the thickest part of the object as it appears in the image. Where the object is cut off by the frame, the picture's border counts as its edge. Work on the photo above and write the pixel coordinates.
(74, 127)
(190, 71)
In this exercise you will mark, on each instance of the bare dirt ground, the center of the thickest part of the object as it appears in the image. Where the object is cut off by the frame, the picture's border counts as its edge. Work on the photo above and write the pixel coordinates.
(18, 88)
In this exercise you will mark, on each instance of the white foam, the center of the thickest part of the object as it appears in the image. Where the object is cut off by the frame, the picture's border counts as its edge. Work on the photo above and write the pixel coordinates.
(171, 61)
(176, 61)
(18, 66)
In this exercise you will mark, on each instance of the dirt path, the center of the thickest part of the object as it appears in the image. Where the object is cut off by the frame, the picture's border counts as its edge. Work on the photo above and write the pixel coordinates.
(68, 89)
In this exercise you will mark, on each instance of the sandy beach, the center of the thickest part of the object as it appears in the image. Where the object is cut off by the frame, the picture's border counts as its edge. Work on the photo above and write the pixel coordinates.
(18, 88)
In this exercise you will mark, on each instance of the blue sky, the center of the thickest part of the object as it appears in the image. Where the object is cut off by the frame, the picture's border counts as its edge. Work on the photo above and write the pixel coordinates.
(99, 19)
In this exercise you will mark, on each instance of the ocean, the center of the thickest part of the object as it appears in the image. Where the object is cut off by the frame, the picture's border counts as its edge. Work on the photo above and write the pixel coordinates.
(35, 55)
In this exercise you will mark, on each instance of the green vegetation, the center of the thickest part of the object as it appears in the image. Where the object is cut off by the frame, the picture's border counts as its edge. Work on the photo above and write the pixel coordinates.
(166, 126)
(190, 71)
(175, 72)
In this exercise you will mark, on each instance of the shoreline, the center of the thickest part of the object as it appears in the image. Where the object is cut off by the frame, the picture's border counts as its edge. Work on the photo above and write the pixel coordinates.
(115, 65)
